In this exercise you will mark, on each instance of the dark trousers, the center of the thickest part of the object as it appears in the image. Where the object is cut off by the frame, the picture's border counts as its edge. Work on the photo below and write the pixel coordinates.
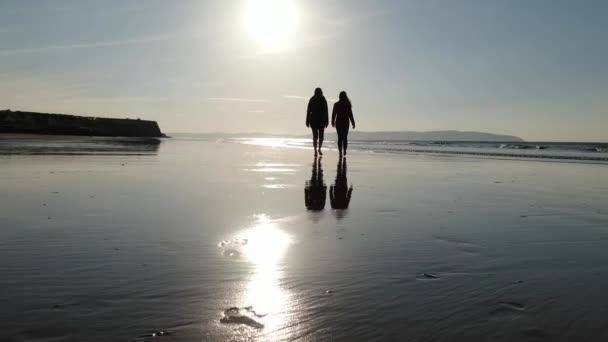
(317, 135)
(342, 138)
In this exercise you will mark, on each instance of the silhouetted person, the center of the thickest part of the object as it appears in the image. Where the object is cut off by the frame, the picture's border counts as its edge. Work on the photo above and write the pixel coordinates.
(341, 118)
(317, 118)
(339, 192)
(315, 190)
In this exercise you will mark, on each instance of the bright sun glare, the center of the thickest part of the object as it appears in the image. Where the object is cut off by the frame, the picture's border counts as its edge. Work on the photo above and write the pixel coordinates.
(271, 23)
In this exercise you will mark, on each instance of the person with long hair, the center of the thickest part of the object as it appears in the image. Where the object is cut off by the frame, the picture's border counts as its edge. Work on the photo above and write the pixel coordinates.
(317, 118)
(341, 118)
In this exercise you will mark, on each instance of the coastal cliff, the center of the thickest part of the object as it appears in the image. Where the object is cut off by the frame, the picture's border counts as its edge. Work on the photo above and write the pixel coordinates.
(62, 124)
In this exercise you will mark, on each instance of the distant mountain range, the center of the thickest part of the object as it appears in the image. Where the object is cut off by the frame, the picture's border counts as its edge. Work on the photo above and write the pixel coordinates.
(396, 135)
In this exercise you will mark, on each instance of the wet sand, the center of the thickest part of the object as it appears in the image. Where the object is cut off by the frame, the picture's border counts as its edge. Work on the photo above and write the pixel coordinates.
(193, 240)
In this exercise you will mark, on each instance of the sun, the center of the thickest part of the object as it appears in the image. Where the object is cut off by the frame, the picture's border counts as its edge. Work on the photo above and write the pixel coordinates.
(271, 23)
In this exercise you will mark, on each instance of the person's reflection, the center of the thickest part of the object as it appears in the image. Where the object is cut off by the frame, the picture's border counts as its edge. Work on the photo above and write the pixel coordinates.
(339, 193)
(315, 190)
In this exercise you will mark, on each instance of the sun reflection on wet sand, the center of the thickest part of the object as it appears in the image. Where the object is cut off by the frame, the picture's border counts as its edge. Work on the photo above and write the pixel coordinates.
(264, 245)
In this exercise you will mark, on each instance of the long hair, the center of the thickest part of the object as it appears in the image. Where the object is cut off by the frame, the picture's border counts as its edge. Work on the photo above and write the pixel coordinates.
(344, 99)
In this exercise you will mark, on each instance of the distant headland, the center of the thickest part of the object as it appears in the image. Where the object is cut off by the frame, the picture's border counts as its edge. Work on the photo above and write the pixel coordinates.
(62, 124)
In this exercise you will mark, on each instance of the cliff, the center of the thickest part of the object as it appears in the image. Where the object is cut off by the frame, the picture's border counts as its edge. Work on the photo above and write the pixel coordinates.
(61, 124)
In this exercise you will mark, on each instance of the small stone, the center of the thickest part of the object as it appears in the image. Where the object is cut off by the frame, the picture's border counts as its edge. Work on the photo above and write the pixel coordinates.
(427, 276)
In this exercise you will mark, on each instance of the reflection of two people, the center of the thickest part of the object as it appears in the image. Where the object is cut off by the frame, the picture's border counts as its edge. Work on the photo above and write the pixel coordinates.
(315, 191)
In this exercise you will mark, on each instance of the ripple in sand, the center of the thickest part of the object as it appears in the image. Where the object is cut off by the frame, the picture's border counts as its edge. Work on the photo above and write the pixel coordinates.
(465, 247)
(427, 276)
(533, 333)
(459, 243)
(245, 316)
(506, 308)
(159, 333)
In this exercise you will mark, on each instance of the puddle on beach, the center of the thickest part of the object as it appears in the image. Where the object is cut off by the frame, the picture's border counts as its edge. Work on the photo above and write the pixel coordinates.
(263, 302)
(246, 316)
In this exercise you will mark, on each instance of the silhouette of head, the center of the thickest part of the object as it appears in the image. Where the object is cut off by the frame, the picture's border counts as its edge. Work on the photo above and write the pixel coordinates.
(344, 98)
(318, 92)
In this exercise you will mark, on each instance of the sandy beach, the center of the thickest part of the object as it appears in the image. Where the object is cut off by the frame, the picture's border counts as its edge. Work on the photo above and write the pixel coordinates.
(197, 240)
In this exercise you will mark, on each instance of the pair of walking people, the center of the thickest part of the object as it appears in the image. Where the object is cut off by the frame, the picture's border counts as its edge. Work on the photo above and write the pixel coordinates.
(317, 118)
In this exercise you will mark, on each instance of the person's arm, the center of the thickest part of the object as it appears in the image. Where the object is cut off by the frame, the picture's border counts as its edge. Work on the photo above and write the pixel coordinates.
(333, 116)
(352, 118)
(349, 195)
(308, 114)
(325, 113)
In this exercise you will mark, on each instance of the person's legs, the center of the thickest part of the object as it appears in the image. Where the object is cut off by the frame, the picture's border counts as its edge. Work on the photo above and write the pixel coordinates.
(342, 133)
(321, 135)
(345, 141)
(315, 137)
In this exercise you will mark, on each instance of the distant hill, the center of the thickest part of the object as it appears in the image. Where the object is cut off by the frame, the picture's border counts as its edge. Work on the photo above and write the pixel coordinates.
(62, 124)
(429, 136)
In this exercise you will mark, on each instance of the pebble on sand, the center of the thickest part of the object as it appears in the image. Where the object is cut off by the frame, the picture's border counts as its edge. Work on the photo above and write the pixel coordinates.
(427, 276)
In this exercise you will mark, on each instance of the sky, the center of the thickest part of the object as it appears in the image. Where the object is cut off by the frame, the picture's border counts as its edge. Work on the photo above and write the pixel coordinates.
(535, 69)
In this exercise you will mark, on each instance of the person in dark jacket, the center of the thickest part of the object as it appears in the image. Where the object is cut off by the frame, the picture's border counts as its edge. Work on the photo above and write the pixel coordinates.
(341, 118)
(317, 118)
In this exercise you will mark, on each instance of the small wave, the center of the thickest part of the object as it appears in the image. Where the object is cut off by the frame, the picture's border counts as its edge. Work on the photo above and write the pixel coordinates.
(514, 146)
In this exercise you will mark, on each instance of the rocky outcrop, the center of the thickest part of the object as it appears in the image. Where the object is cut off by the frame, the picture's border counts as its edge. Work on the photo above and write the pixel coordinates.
(61, 124)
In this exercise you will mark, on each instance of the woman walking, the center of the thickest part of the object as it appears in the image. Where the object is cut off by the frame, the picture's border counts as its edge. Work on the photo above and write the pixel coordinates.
(341, 118)
(316, 119)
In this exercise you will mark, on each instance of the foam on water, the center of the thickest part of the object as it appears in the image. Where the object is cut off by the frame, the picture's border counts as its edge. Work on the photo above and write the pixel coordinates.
(587, 152)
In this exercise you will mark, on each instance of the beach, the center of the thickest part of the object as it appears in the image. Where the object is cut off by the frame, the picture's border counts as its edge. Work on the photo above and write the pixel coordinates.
(204, 240)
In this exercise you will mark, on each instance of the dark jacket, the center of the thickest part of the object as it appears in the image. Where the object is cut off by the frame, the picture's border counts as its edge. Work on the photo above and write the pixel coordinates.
(317, 115)
(341, 115)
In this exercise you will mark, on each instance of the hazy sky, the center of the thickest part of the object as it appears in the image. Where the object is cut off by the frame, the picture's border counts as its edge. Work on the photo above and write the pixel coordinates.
(536, 69)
